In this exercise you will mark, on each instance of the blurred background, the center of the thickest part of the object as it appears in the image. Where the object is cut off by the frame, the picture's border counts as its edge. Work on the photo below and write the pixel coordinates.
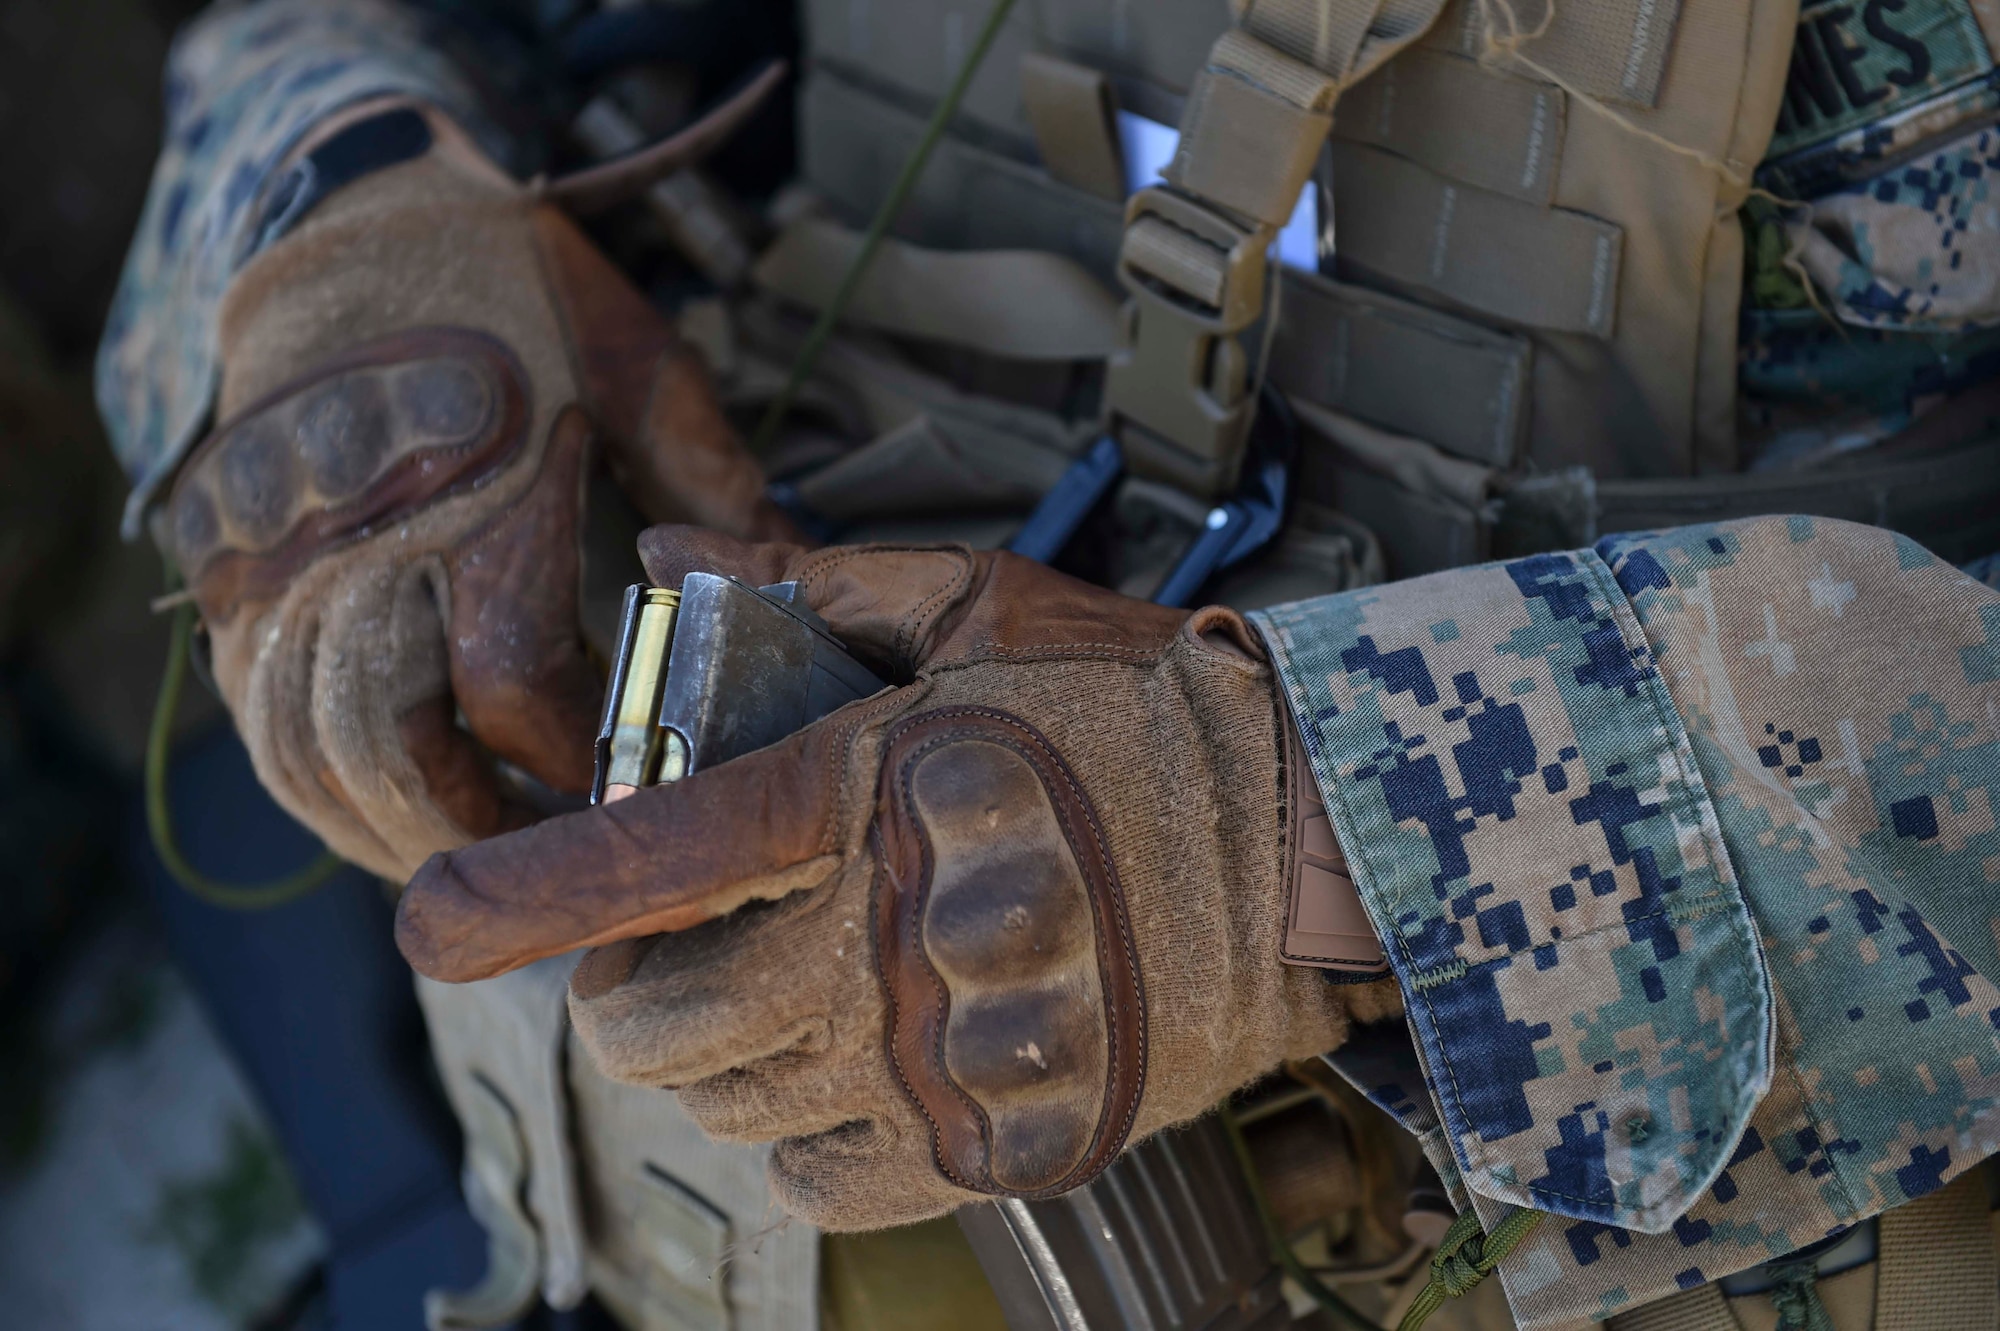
(208, 1118)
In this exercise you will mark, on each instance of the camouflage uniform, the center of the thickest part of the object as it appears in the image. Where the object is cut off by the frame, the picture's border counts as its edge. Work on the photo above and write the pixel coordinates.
(1680, 861)
(1685, 872)
(1887, 140)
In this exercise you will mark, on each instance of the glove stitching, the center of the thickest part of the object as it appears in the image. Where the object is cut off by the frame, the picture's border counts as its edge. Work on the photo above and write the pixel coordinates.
(1120, 915)
(889, 1032)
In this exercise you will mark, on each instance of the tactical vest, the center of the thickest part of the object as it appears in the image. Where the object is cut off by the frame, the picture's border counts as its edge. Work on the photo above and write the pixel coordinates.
(1513, 325)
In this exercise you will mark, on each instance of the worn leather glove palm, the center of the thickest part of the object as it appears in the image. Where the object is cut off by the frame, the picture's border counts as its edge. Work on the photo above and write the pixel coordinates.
(382, 536)
(1011, 916)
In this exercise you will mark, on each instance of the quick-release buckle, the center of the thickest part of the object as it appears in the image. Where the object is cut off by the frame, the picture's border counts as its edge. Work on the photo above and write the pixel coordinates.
(1177, 391)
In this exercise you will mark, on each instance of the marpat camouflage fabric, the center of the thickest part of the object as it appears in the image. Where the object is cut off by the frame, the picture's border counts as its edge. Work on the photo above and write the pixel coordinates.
(1886, 135)
(1918, 247)
(243, 84)
(1684, 852)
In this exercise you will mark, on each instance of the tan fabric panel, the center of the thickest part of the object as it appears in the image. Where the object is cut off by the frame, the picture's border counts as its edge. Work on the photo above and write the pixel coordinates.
(852, 144)
(1028, 304)
(1071, 108)
(509, 1034)
(1720, 96)
(1425, 507)
(1614, 50)
(1403, 366)
(1937, 1269)
(1656, 398)
(1552, 269)
(655, 1189)
(1462, 121)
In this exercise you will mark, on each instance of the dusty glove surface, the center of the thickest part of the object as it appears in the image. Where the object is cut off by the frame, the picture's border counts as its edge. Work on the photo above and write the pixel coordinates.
(969, 937)
(382, 533)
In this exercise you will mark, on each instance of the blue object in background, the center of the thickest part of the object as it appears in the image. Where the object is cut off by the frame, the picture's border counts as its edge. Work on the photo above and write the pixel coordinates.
(318, 1009)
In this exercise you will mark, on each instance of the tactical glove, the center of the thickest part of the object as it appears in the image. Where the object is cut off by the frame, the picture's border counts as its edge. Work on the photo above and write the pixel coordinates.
(382, 535)
(969, 937)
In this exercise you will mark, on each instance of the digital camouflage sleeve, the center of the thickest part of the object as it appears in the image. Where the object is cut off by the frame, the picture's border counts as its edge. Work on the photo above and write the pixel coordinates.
(1683, 850)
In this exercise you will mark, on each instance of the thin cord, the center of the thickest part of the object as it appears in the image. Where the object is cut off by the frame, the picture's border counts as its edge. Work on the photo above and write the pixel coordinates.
(899, 193)
(159, 820)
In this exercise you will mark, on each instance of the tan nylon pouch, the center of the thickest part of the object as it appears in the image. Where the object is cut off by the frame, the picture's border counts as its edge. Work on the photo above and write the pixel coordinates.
(1634, 376)
(1546, 268)
(1404, 366)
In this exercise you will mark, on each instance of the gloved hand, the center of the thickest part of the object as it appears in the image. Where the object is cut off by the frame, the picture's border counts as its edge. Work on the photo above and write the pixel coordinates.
(968, 937)
(382, 535)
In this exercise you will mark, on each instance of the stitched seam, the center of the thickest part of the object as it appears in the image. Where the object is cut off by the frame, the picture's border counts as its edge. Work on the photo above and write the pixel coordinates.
(895, 1058)
(921, 898)
(1437, 975)
(952, 587)
(1692, 794)
(820, 565)
(1117, 895)
(841, 755)
(1475, 1154)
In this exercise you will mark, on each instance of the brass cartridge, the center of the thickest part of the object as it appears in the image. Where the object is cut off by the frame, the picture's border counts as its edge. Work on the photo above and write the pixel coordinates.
(633, 750)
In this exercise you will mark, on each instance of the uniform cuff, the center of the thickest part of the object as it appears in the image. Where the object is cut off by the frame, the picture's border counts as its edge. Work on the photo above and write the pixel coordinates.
(1520, 808)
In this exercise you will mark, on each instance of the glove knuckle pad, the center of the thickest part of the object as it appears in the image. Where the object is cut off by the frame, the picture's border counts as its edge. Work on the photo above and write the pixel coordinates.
(362, 439)
(1017, 1018)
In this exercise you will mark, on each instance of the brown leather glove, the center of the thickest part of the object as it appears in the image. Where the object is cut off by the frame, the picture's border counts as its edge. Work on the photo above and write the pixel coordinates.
(382, 535)
(1011, 916)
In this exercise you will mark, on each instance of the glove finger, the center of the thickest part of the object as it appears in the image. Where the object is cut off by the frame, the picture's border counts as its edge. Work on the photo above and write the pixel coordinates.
(804, 1090)
(272, 693)
(518, 669)
(665, 859)
(671, 552)
(864, 1174)
(887, 603)
(671, 447)
(381, 715)
(674, 1008)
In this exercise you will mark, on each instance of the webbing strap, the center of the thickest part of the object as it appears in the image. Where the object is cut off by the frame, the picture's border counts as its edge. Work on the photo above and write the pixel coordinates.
(1406, 367)
(1024, 304)
(1545, 267)
(1347, 39)
(1193, 254)
(1461, 120)
(1937, 1268)
(1702, 1308)
(1613, 50)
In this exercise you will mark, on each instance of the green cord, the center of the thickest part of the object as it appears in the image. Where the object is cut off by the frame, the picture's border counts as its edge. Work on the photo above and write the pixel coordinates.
(1467, 1255)
(159, 739)
(913, 167)
(1280, 1247)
